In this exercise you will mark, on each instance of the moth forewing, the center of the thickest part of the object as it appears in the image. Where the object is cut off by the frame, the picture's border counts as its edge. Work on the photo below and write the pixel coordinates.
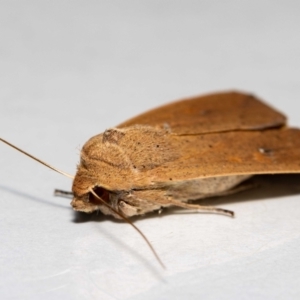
(217, 112)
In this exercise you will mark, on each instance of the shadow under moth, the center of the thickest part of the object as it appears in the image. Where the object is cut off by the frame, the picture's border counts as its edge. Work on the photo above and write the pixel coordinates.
(183, 151)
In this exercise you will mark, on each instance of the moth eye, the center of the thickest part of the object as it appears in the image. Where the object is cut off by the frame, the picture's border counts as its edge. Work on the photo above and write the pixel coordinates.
(101, 193)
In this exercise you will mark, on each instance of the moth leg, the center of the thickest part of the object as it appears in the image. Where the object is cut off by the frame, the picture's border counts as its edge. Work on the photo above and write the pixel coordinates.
(203, 208)
(61, 193)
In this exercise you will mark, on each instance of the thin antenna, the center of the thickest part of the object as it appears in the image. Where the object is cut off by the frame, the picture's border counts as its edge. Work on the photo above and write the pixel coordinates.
(130, 223)
(61, 193)
(36, 159)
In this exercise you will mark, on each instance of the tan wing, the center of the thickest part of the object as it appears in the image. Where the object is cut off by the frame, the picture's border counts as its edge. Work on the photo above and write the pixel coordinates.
(231, 153)
(212, 113)
(218, 135)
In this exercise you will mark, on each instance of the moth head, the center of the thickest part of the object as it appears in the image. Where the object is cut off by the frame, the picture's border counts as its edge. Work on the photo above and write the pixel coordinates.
(116, 203)
(90, 197)
(87, 202)
(89, 194)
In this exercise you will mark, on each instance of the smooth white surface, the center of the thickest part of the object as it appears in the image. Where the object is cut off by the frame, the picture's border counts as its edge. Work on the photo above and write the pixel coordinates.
(69, 70)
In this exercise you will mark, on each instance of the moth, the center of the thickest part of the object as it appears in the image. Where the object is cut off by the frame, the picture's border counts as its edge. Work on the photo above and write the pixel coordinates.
(183, 151)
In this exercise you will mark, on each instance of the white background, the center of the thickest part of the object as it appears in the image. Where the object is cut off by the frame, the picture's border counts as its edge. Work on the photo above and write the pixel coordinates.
(71, 69)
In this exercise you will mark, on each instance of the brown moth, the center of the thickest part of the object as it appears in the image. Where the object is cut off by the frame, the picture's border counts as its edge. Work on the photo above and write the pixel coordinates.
(183, 151)
(187, 150)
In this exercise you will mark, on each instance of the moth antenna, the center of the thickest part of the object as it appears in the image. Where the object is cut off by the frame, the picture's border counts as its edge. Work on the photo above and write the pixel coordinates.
(130, 223)
(61, 193)
(36, 159)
